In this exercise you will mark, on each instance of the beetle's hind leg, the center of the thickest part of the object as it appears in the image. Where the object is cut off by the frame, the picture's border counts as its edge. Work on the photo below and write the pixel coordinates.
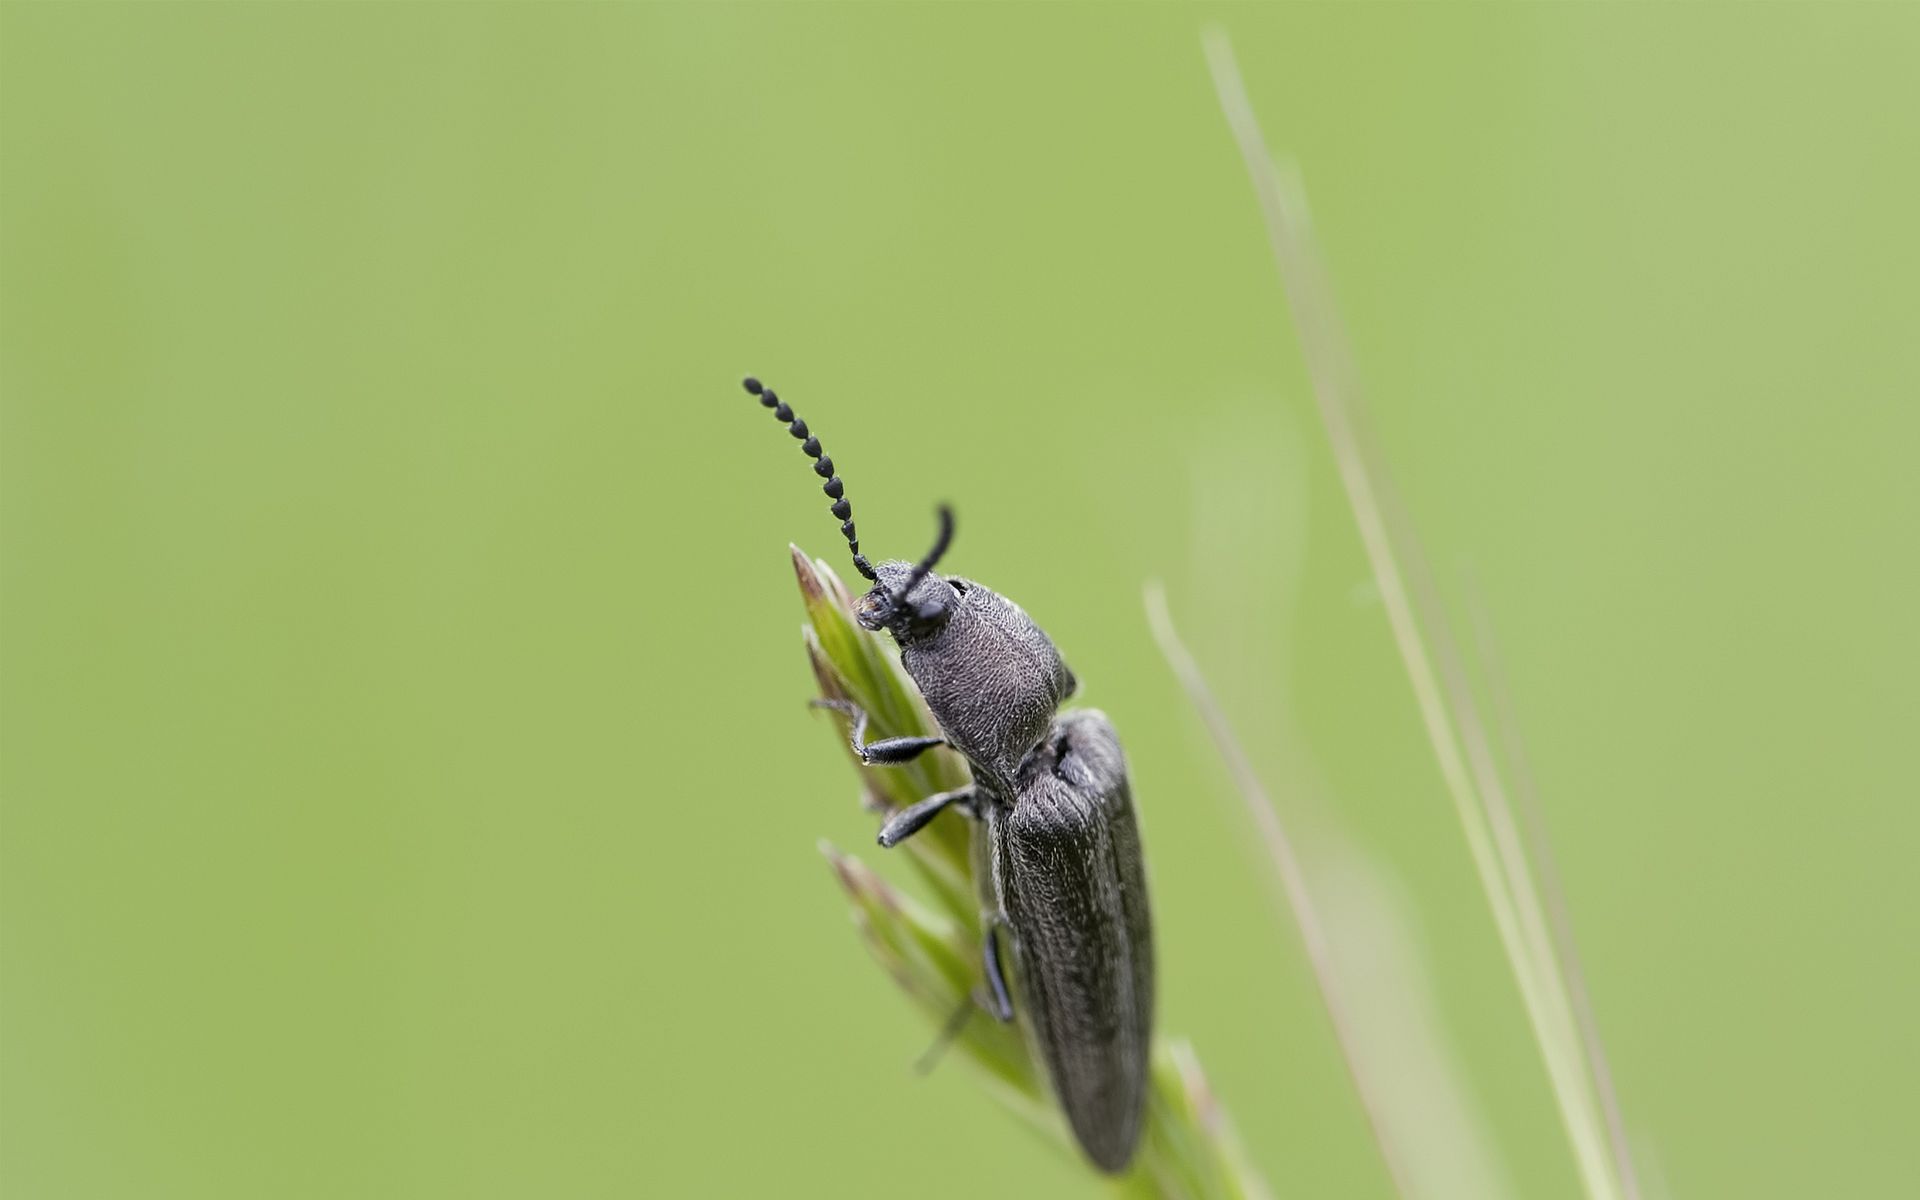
(996, 1000)
(914, 817)
(886, 751)
(950, 1031)
(1000, 1001)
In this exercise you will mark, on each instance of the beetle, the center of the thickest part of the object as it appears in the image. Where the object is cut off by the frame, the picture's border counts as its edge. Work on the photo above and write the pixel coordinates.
(1063, 873)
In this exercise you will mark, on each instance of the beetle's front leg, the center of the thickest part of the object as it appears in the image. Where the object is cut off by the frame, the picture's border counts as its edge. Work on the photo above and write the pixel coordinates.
(911, 819)
(886, 751)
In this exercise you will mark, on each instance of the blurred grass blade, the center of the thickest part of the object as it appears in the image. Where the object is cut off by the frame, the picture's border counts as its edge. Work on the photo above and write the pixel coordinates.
(1186, 1111)
(1298, 899)
(1505, 881)
(931, 950)
(1438, 1127)
(1560, 919)
(1377, 990)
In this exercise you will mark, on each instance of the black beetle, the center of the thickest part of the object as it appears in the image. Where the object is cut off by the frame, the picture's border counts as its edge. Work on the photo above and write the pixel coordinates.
(1063, 869)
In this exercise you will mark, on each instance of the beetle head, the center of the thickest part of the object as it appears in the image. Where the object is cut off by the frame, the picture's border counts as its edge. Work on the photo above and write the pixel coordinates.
(907, 599)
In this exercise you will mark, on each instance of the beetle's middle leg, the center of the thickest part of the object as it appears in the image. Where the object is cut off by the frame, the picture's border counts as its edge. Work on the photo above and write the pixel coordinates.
(886, 751)
(911, 819)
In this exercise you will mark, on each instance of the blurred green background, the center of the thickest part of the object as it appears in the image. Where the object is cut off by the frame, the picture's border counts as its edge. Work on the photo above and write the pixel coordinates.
(407, 784)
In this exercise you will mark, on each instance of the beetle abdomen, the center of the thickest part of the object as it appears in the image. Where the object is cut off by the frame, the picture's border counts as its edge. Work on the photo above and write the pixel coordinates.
(1070, 883)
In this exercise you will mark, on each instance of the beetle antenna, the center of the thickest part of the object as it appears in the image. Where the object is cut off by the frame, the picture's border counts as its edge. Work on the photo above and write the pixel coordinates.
(823, 467)
(926, 564)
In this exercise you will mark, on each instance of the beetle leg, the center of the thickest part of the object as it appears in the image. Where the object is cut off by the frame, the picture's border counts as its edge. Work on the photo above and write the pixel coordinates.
(949, 1033)
(911, 819)
(995, 1001)
(1000, 1003)
(886, 751)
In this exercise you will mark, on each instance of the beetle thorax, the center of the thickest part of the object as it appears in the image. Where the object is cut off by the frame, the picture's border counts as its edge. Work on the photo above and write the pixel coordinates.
(990, 676)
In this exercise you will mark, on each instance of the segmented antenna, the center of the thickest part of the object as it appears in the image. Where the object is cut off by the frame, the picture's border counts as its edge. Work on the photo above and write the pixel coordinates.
(921, 568)
(823, 467)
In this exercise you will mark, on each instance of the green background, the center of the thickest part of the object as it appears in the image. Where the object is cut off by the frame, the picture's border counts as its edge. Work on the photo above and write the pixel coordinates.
(407, 786)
